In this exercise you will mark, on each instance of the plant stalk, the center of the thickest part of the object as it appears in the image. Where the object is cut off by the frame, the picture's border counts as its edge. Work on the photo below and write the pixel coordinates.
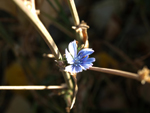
(45, 35)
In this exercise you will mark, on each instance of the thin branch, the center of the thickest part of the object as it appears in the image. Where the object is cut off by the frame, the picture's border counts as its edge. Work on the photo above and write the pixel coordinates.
(48, 55)
(143, 75)
(75, 91)
(34, 87)
(81, 31)
(80, 28)
(45, 35)
(115, 72)
(74, 12)
(40, 27)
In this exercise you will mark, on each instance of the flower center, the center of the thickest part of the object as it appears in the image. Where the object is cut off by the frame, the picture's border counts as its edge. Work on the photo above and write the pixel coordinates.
(76, 61)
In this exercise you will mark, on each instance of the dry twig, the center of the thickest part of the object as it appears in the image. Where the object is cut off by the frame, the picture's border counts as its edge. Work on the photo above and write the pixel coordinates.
(81, 31)
(32, 16)
(143, 75)
(34, 87)
(80, 28)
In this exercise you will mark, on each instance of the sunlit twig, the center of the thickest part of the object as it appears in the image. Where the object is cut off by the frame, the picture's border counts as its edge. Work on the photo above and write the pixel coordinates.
(75, 91)
(45, 34)
(80, 28)
(49, 55)
(81, 31)
(142, 75)
(34, 87)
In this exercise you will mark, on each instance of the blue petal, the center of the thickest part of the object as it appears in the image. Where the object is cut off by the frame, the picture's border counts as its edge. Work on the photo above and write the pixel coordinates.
(86, 66)
(77, 69)
(73, 48)
(84, 59)
(79, 62)
(85, 52)
(89, 60)
(69, 68)
(73, 69)
(69, 57)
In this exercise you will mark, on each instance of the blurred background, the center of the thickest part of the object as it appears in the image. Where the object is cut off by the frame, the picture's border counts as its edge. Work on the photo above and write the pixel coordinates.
(120, 35)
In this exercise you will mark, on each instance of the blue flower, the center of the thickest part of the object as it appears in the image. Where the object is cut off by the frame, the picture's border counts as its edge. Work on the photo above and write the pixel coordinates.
(80, 61)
